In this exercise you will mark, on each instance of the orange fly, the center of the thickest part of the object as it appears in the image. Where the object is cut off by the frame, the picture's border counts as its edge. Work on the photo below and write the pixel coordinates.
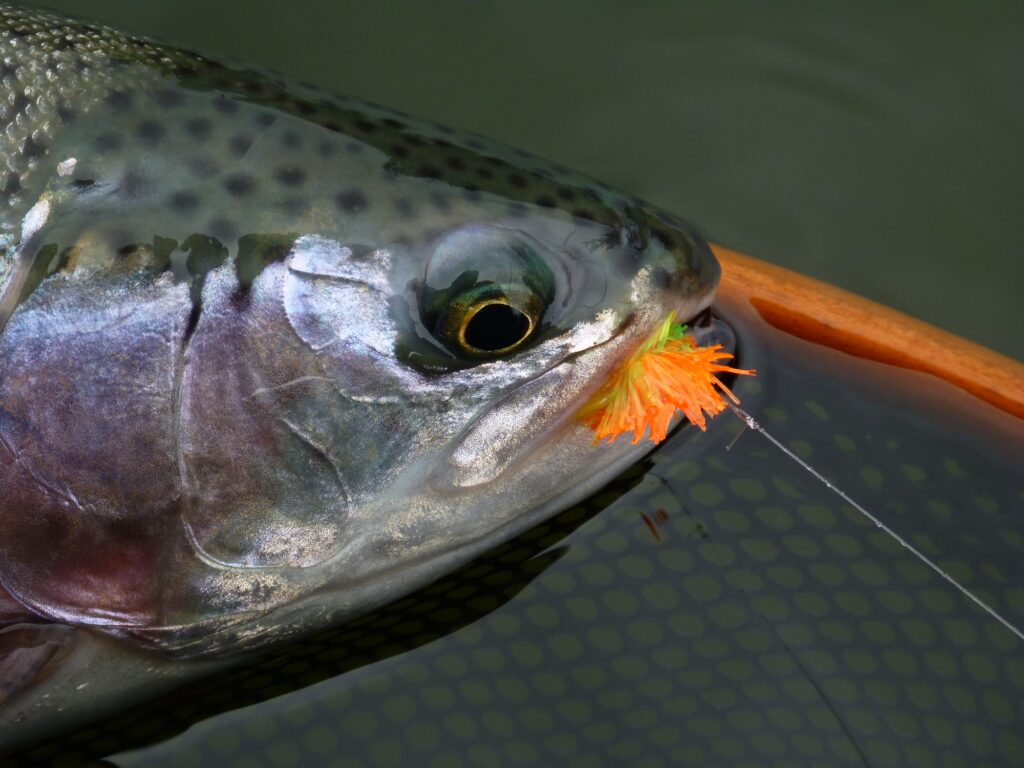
(668, 372)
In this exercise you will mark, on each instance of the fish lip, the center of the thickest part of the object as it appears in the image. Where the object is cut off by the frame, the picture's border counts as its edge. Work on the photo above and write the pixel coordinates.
(513, 427)
(488, 448)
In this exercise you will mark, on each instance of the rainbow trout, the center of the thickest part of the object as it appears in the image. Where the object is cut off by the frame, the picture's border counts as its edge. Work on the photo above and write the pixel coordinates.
(270, 357)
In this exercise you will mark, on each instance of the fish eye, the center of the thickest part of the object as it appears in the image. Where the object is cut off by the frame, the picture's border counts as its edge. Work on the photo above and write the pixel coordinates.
(489, 320)
(494, 326)
(485, 292)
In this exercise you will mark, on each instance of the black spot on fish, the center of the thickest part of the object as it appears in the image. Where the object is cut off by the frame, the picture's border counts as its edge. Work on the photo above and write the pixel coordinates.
(484, 173)
(150, 131)
(405, 208)
(517, 180)
(33, 148)
(365, 126)
(240, 143)
(12, 185)
(198, 127)
(455, 163)
(398, 150)
(66, 114)
(120, 100)
(545, 201)
(291, 140)
(351, 201)
(168, 98)
(430, 172)
(662, 235)
(326, 148)
(108, 142)
(265, 119)
(566, 193)
(257, 252)
(441, 201)
(353, 147)
(290, 176)
(184, 202)
(19, 101)
(661, 277)
(239, 184)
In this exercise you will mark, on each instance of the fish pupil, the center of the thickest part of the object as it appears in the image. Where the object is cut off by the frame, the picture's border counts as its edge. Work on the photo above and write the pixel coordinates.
(496, 327)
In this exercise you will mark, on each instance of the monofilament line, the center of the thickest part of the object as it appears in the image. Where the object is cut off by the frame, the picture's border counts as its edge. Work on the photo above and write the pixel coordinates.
(752, 423)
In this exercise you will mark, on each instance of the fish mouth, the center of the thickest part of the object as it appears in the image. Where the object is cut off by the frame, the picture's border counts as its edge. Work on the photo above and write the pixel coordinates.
(543, 411)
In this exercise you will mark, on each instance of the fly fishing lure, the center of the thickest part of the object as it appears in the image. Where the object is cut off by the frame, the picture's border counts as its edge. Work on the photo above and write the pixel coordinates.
(668, 372)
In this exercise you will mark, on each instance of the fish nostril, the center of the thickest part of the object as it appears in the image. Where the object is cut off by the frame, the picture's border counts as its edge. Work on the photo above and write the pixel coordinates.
(661, 278)
(707, 330)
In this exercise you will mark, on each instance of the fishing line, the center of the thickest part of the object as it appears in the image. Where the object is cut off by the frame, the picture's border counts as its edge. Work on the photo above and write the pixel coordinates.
(753, 424)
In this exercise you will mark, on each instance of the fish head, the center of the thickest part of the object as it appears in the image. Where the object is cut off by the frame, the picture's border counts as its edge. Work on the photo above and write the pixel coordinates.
(484, 328)
(310, 352)
(425, 346)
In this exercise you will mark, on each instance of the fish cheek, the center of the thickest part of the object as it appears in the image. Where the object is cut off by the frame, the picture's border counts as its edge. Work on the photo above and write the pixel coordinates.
(88, 463)
(261, 488)
(276, 451)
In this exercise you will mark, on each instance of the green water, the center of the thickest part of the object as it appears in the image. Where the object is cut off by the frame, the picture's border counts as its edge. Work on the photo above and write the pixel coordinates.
(873, 145)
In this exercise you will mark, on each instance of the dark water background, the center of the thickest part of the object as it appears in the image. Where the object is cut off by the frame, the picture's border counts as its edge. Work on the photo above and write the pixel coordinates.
(872, 144)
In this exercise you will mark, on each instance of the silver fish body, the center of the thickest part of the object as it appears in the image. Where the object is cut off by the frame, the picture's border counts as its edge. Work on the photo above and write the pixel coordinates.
(271, 357)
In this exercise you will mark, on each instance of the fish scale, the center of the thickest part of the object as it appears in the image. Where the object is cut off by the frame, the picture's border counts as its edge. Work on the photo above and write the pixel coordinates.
(50, 71)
